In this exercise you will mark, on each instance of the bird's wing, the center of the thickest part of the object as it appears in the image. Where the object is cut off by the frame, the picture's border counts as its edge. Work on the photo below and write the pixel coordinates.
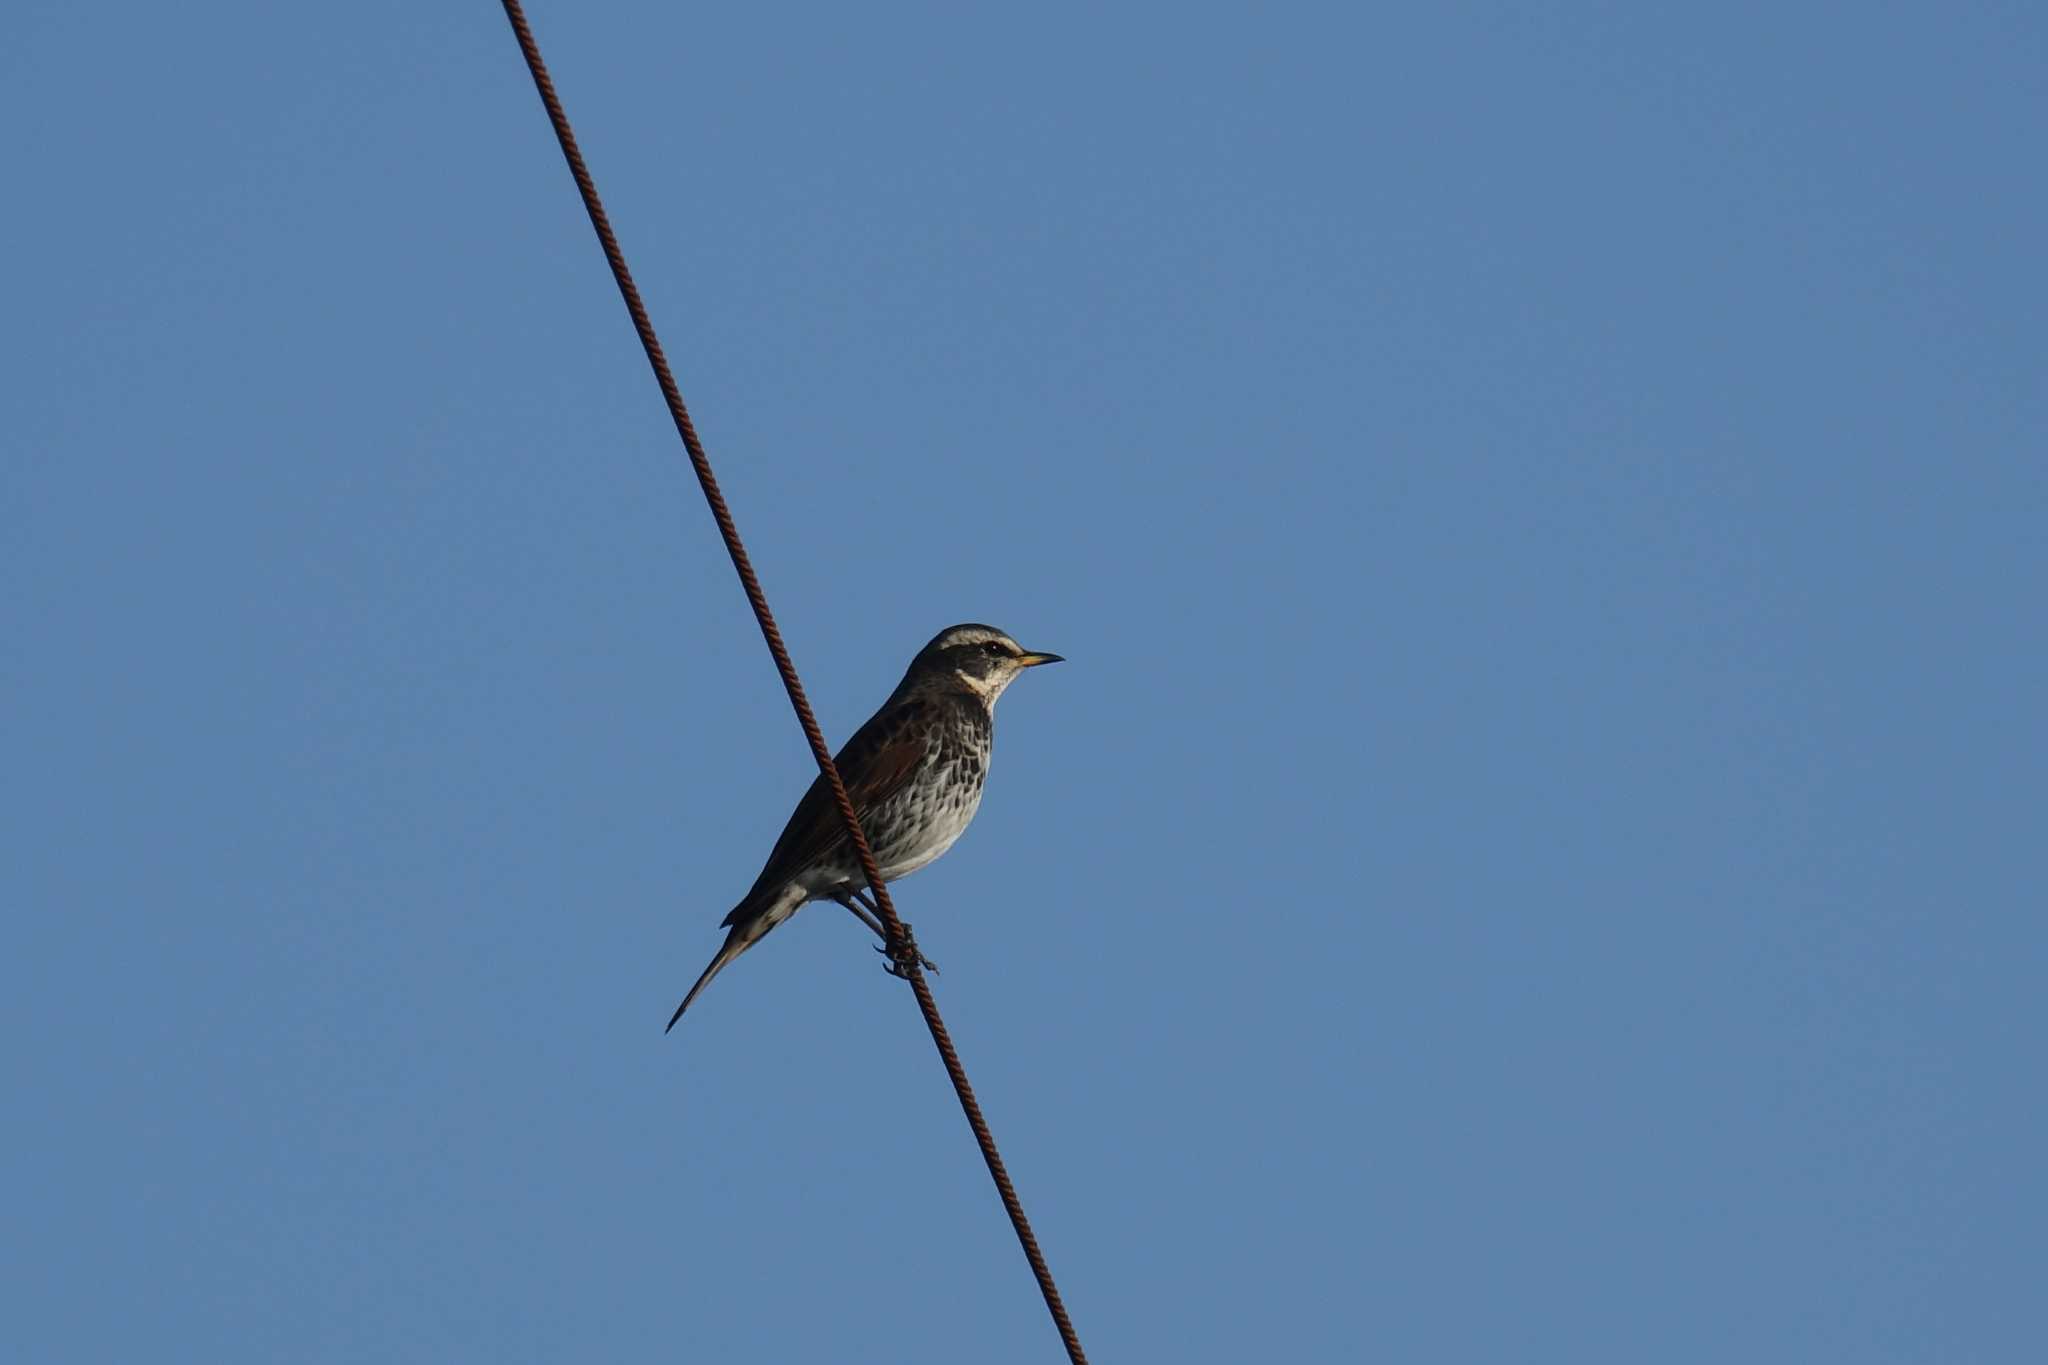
(876, 762)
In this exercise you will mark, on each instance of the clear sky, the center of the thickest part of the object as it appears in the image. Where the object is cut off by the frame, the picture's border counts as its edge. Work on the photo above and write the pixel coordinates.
(1536, 853)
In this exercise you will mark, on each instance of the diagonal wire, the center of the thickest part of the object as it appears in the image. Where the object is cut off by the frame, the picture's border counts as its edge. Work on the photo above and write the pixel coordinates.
(903, 951)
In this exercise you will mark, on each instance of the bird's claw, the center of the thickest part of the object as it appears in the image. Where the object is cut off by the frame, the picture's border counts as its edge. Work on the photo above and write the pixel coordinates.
(904, 954)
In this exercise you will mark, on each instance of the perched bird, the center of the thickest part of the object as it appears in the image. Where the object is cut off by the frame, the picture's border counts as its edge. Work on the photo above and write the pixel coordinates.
(914, 772)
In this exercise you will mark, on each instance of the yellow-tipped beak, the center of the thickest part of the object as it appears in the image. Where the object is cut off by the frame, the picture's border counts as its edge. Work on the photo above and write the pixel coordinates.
(1034, 660)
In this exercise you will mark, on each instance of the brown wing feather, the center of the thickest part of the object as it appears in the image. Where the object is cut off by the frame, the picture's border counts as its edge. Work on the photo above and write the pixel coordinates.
(875, 763)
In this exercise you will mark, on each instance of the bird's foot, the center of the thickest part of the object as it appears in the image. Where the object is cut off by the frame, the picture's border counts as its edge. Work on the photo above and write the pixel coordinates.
(903, 954)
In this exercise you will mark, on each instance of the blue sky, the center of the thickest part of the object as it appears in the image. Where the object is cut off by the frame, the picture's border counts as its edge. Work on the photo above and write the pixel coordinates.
(1535, 855)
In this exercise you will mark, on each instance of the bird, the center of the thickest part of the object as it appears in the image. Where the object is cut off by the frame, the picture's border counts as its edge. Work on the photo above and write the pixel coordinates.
(915, 773)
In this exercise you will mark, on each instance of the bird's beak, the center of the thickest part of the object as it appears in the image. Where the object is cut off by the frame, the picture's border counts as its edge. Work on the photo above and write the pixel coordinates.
(1034, 660)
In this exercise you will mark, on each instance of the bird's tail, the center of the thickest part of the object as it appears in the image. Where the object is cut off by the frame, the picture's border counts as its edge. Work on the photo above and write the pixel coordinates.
(750, 924)
(736, 943)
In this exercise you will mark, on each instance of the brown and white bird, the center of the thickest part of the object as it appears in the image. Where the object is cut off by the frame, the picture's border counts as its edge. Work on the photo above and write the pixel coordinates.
(915, 773)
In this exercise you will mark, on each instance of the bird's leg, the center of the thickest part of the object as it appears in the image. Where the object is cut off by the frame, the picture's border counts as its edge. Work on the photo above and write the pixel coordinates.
(850, 901)
(861, 902)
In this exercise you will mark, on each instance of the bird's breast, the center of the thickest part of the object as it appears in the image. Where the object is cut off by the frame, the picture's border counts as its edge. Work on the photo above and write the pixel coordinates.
(935, 808)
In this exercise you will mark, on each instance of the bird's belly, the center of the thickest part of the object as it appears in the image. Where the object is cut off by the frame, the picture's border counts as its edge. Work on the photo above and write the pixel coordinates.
(925, 828)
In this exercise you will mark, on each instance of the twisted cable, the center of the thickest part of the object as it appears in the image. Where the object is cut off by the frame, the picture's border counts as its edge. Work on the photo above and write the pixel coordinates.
(902, 950)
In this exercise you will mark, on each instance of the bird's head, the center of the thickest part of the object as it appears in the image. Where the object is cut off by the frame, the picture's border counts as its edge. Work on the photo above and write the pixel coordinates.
(979, 660)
